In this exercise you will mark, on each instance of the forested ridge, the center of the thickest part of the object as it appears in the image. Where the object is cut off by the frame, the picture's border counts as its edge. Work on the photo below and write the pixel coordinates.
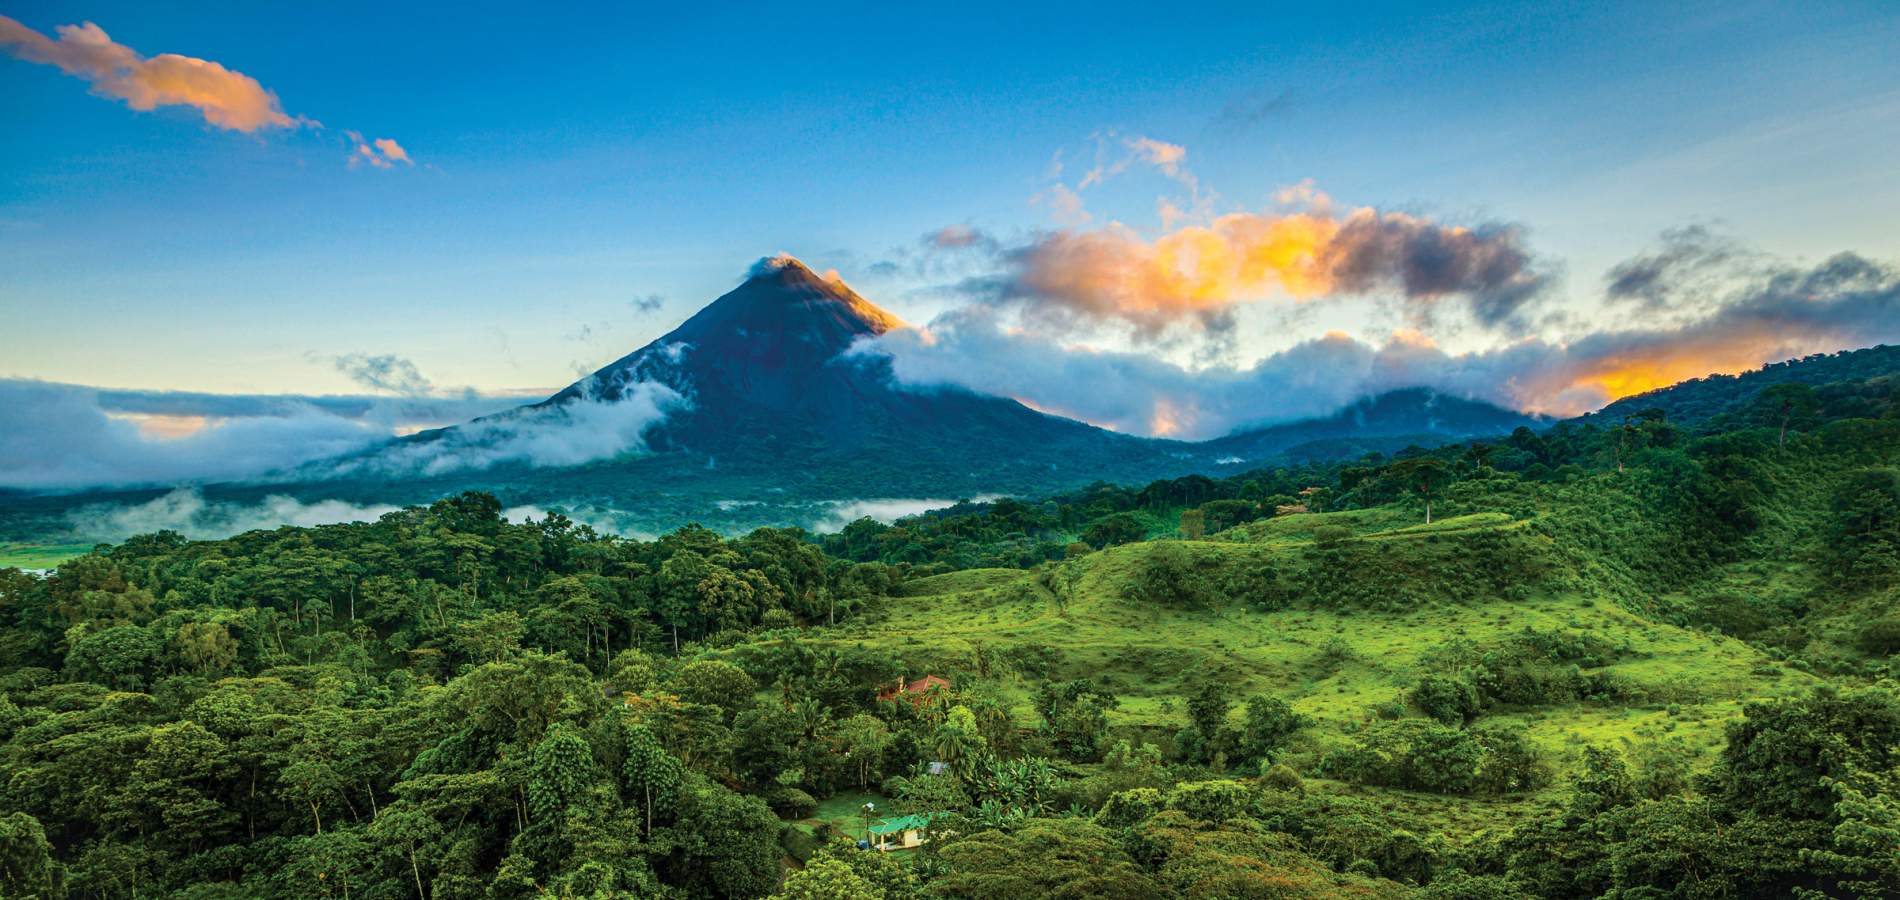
(1628, 656)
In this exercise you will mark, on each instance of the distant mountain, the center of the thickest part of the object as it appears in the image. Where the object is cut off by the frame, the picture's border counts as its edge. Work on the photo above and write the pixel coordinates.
(1384, 423)
(1699, 399)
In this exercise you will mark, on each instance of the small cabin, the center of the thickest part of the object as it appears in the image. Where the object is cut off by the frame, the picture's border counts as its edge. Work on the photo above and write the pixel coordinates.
(915, 691)
(901, 833)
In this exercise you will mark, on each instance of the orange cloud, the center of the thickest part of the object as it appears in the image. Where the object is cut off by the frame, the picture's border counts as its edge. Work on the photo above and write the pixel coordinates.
(1595, 371)
(1160, 154)
(381, 153)
(392, 150)
(227, 99)
(1197, 273)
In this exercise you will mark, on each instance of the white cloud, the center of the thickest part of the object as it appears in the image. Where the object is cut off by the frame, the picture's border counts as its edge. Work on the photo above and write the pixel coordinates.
(579, 431)
(61, 436)
(187, 512)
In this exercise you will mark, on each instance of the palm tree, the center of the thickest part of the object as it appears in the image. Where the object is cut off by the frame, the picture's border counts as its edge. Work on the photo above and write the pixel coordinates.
(956, 742)
(811, 715)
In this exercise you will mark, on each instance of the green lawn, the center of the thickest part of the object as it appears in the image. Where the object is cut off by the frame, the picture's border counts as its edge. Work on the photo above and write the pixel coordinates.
(843, 811)
(39, 556)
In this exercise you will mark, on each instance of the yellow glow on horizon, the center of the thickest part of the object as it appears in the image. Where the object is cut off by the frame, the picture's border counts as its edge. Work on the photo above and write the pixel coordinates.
(164, 428)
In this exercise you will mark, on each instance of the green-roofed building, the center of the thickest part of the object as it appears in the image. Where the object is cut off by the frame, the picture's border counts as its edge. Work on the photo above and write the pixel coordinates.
(900, 833)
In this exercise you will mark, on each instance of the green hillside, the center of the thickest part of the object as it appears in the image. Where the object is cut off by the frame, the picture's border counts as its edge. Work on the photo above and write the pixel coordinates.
(1644, 660)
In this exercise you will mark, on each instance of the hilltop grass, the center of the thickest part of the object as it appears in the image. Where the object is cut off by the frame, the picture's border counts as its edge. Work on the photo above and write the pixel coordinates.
(1344, 668)
(39, 556)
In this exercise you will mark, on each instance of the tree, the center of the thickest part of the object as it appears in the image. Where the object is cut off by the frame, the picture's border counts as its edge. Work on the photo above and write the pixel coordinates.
(631, 672)
(119, 657)
(862, 740)
(403, 831)
(27, 869)
(1076, 716)
(494, 637)
(722, 845)
(827, 879)
(652, 775)
(890, 876)
(1782, 755)
(560, 771)
(1423, 475)
(1193, 524)
(1208, 700)
(1865, 535)
(957, 742)
(714, 682)
(1169, 577)
(310, 780)
(1044, 857)
(205, 647)
(1447, 698)
(1785, 404)
(1604, 784)
(766, 739)
(1269, 722)
(1119, 528)
(176, 784)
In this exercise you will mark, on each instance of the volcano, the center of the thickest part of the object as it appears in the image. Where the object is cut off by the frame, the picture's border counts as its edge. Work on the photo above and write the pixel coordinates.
(779, 362)
(770, 391)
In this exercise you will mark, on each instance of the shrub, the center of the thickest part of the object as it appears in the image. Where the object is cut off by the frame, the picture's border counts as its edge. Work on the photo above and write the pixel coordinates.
(1168, 578)
(791, 803)
(1881, 637)
(1282, 777)
(1210, 801)
(1425, 756)
(1268, 723)
(1129, 808)
(1448, 699)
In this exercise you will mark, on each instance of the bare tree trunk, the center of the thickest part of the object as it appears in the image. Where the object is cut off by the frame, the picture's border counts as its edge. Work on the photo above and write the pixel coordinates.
(416, 870)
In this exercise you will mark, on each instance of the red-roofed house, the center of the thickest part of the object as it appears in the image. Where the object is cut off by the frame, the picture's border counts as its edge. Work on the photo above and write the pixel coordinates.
(915, 691)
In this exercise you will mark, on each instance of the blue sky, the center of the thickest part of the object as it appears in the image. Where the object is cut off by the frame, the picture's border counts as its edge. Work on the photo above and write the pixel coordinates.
(567, 165)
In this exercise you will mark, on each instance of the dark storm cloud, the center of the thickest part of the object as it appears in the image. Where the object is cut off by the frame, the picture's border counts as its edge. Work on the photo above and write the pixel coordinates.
(1690, 259)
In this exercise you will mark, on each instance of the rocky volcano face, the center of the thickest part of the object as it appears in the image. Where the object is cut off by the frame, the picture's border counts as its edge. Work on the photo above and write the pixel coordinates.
(775, 341)
(771, 363)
